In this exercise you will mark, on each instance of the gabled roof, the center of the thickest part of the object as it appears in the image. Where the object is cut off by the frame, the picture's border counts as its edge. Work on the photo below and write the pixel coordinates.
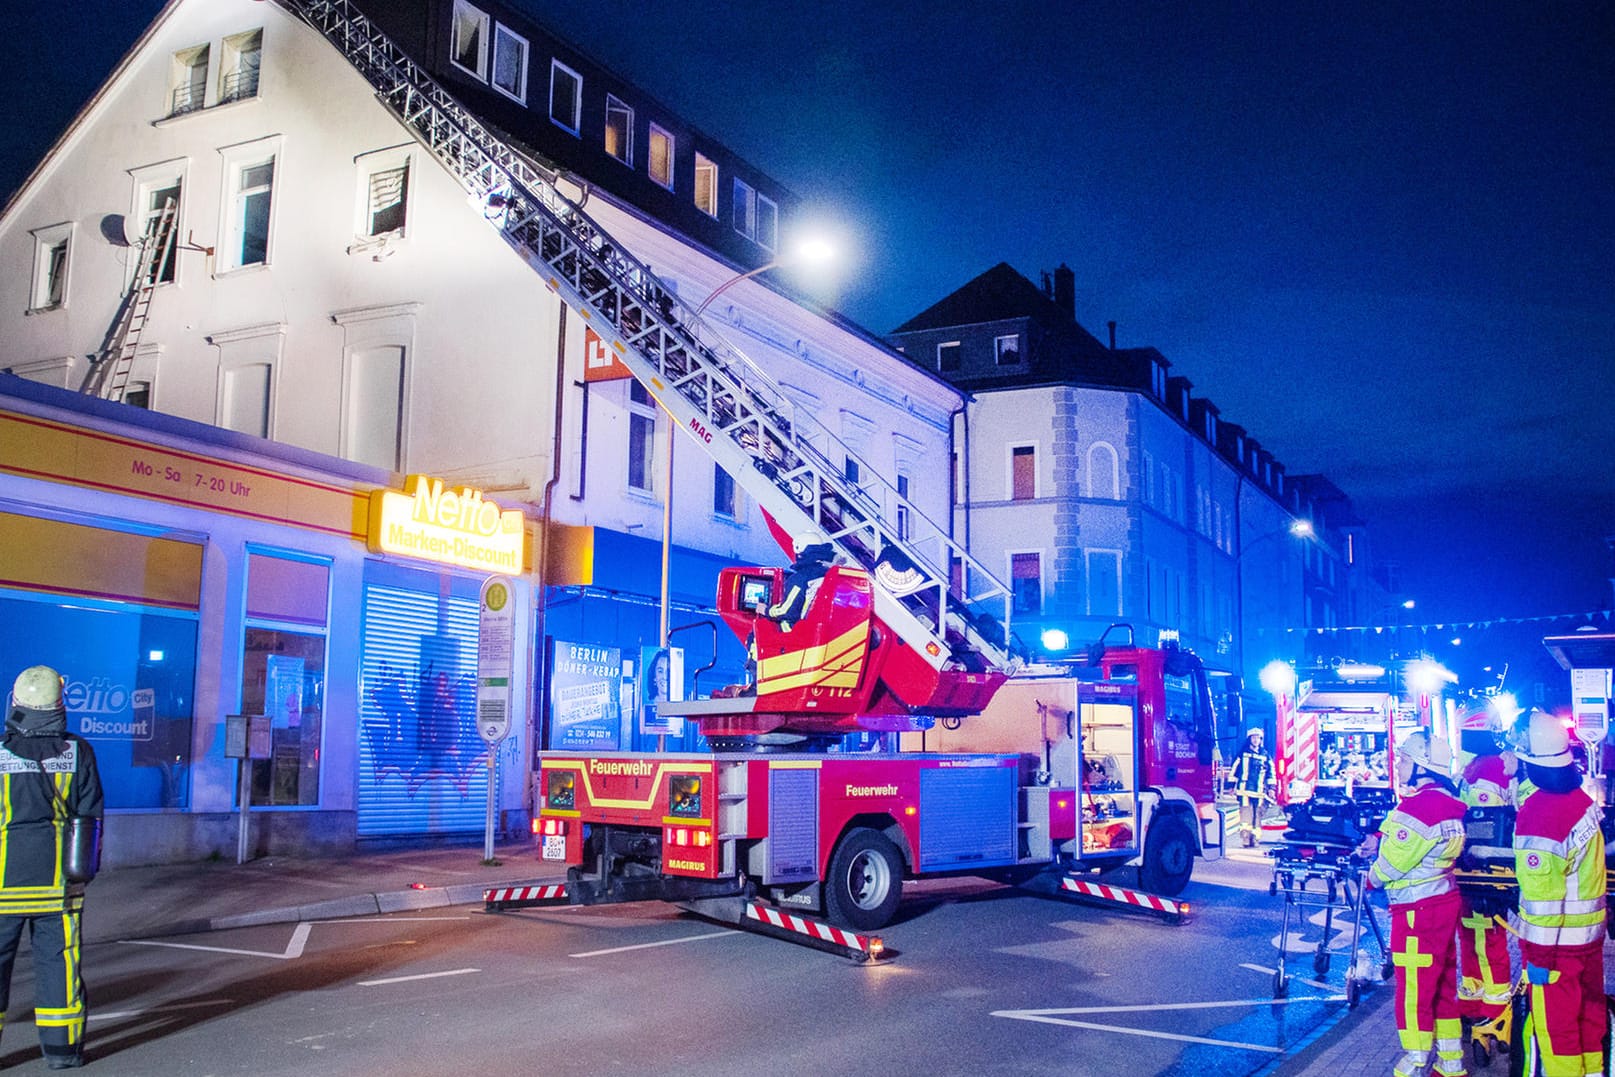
(995, 295)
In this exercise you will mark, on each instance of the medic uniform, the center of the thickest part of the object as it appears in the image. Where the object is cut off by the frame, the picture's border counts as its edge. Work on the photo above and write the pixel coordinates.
(1252, 779)
(1419, 843)
(1559, 861)
(1486, 984)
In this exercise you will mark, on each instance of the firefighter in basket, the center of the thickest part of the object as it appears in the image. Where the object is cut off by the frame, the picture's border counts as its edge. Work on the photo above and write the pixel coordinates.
(1251, 778)
(1486, 982)
(1414, 853)
(1559, 862)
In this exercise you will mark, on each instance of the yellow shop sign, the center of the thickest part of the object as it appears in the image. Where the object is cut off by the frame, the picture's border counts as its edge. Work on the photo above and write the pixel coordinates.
(454, 526)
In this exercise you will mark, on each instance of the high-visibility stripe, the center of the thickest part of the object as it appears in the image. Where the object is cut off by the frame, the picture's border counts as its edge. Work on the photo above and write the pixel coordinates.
(1121, 895)
(802, 925)
(548, 892)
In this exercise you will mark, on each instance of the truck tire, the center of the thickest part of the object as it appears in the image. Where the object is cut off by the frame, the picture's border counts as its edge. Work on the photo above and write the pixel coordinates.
(1168, 857)
(865, 881)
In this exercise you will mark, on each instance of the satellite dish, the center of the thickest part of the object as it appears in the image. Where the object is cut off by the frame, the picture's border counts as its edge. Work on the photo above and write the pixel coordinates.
(119, 231)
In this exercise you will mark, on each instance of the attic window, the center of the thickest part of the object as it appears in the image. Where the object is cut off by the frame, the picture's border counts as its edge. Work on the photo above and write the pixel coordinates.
(468, 40)
(510, 64)
(188, 85)
(566, 96)
(947, 355)
(238, 76)
(1007, 349)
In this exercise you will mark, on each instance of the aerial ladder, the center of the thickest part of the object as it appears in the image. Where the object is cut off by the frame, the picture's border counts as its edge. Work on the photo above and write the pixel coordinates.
(108, 376)
(952, 653)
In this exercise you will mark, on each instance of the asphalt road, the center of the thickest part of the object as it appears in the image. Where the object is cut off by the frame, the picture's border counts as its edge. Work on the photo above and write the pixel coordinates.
(986, 980)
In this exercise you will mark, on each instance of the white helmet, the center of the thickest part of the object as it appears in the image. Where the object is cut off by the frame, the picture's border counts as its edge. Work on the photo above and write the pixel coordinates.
(38, 688)
(1255, 731)
(1546, 742)
(1423, 750)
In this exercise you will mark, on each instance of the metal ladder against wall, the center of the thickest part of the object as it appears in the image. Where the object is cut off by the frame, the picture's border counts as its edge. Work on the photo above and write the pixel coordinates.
(789, 464)
(108, 376)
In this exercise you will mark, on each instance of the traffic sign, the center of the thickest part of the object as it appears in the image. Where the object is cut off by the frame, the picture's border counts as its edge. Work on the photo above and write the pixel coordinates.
(495, 646)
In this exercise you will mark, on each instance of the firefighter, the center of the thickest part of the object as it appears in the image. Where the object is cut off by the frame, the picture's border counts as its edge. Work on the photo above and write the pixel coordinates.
(1414, 853)
(1486, 983)
(49, 775)
(813, 560)
(1251, 778)
(1559, 862)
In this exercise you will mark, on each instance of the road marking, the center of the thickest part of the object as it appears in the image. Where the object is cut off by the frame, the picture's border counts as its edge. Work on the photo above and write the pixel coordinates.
(117, 1015)
(294, 948)
(1265, 971)
(422, 976)
(651, 945)
(1053, 1017)
(394, 919)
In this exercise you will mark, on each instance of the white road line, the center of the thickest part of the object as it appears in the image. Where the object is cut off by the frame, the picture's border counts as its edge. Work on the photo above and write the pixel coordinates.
(394, 919)
(116, 1015)
(1146, 1032)
(294, 948)
(1265, 971)
(651, 945)
(1053, 1017)
(422, 976)
(1157, 1007)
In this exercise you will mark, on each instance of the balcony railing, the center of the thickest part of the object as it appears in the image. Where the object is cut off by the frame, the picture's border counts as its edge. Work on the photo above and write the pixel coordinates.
(188, 98)
(240, 84)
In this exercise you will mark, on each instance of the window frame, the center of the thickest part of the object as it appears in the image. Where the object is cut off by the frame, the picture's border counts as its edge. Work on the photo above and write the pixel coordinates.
(703, 163)
(650, 156)
(148, 181)
(369, 166)
(1018, 606)
(183, 77)
(1014, 349)
(232, 63)
(767, 235)
(484, 29)
(618, 105)
(642, 416)
(1088, 560)
(953, 348)
(519, 94)
(575, 126)
(726, 509)
(47, 240)
(233, 204)
(1015, 449)
(743, 207)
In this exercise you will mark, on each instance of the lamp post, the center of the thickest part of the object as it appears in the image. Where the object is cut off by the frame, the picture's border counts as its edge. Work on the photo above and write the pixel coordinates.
(1300, 527)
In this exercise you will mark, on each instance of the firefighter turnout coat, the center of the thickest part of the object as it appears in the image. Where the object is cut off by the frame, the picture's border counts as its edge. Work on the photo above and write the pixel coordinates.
(33, 821)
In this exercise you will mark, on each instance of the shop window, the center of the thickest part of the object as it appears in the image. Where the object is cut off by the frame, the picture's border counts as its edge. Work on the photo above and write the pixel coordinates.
(660, 165)
(510, 63)
(619, 131)
(468, 40)
(283, 674)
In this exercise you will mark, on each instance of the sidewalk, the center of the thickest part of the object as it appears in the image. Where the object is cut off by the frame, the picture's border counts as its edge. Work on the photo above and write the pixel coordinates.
(149, 902)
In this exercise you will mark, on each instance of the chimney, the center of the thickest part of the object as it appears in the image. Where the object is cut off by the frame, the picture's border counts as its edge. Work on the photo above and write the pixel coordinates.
(1048, 288)
(1065, 290)
(1112, 335)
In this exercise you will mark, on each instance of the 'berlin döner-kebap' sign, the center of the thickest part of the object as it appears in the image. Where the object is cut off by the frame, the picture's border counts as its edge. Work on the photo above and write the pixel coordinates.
(453, 526)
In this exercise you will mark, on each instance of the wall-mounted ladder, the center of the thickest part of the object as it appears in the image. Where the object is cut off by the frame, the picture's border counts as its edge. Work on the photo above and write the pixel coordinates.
(788, 463)
(108, 376)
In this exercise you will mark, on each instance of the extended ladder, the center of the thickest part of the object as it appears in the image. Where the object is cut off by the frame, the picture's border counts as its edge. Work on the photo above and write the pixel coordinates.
(108, 376)
(789, 464)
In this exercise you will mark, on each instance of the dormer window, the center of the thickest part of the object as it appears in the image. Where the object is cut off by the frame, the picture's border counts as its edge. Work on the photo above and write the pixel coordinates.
(566, 96)
(468, 40)
(238, 72)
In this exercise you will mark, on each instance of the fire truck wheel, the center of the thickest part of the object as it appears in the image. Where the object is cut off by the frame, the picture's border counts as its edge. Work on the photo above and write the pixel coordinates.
(1168, 857)
(865, 882)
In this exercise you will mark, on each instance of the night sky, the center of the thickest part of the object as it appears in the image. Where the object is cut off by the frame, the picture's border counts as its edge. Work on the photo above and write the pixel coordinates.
(1384, 244)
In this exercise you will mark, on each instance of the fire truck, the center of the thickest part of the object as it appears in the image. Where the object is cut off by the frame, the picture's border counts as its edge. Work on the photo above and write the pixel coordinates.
(891, 643)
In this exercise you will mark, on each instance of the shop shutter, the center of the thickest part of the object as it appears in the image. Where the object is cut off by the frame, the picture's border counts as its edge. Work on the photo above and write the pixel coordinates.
(422, 765)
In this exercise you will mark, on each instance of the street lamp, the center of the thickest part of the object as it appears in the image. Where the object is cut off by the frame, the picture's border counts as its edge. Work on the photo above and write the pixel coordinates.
(1299, 527)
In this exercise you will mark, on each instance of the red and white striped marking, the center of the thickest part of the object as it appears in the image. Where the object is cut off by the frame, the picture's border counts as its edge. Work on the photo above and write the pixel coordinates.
(814, 929)
(549, 892)
(1122, 895)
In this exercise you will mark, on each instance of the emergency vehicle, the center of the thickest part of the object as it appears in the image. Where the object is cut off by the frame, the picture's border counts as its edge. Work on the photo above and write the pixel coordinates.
(1339, 733)
(892, 642)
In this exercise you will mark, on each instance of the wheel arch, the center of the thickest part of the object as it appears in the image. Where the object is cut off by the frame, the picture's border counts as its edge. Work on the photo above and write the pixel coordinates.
(882, 823)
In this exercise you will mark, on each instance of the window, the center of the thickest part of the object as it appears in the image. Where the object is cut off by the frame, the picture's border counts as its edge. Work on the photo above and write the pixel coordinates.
(641, 439)
(566, 96)
(1026, 582)
(283, 673)
(947, 355)
(238, 73)
(188, 82)
(619, 131)
(767, 223)
(1023, 473)
(248, 357)
(510, 63)
(724, 502)
(375, 401)
(1007, 349)
(902, 507)
(468, 40)
(137, 394)
(744, 208)
(660, 164)
(706, 185)
(1104, 472)
(386, 195)
(154, 188)
(247, 227)
(1104, 582)
(247, 399)
(49, 291)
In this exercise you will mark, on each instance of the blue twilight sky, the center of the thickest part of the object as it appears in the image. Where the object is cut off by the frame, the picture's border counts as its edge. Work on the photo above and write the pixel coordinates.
(1380, 236)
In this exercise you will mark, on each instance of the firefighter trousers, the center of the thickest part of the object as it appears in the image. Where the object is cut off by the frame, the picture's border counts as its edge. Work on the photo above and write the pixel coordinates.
(1568, 1011)
(1486, 982)
(58, 982)
(1424, 950)
(1250, 819)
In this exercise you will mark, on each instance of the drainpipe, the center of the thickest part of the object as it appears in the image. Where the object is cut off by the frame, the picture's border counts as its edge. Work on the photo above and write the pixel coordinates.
(538, 677)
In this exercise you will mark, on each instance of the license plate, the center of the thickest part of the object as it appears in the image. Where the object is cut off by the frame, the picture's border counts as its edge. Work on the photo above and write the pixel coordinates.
(554, 847)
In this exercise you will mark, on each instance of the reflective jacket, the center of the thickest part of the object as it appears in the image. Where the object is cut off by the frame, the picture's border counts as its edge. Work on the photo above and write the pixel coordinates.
(1419, 843)
(1252, 773)
(33, 821)
(1485, 783)
(1559, 861)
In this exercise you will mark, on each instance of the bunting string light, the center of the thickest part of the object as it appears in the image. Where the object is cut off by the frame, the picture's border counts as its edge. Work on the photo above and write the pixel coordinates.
(1593, 617)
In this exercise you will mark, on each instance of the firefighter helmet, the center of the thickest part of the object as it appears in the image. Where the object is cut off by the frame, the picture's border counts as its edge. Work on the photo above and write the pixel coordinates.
(1255, 731)
(1543, 740)
(38, 688)
(1423, 750)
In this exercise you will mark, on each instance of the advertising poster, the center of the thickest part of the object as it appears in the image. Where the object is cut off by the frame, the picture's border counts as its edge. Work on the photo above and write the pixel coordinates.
(661, 679)
(283, 690)
(585, 706)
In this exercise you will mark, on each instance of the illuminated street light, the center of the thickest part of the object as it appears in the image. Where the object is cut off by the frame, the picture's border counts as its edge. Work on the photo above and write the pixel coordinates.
(1277, 678)
(810, 250)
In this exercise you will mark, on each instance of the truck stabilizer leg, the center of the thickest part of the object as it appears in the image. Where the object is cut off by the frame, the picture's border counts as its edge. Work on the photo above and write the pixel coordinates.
(525, 897)
(1169, 909)
(765, 919)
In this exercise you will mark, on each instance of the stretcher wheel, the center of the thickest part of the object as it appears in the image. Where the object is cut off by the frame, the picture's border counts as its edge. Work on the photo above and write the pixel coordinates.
(1352, 993)
(1320, 962)
(1281, 985)
(1387, 970)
